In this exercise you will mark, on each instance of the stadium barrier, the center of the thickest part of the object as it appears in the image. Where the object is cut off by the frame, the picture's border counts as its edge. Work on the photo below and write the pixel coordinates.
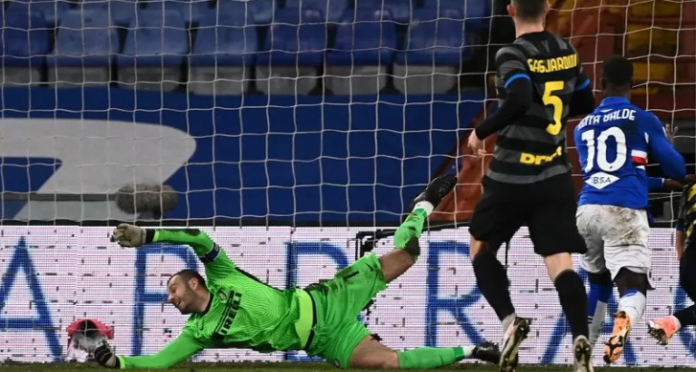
(55, 275)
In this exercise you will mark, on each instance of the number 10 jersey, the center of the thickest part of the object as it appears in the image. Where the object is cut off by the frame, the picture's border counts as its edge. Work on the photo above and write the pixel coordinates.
(613, 145)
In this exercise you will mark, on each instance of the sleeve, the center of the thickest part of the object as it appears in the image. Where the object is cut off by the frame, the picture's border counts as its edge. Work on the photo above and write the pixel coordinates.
(655, 183)
(511, 68)
(217, 264)
(175, 352)
(582, 102)
(659, 147)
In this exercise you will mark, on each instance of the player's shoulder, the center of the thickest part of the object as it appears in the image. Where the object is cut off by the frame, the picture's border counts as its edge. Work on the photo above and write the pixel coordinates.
(512, 51)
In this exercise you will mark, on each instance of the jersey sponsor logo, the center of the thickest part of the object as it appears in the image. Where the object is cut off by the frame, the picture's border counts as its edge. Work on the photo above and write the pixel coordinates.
(536, 159)
(543, 66)
(228, 315)
(601, 180)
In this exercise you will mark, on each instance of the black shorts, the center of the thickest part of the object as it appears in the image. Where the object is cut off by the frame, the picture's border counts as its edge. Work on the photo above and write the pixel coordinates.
(547, 208)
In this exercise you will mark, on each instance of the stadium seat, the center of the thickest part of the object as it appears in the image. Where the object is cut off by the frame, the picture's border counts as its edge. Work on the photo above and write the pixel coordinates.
(223, 55)
(433, 52)
(24, 43)
(154, 51)
(260, 11)
(365, 47)
(86, 44)
(331, 9)
(122, 12)
(476, 13)
(294, 49)
(191, 10)
(52, 9)
(401, 10)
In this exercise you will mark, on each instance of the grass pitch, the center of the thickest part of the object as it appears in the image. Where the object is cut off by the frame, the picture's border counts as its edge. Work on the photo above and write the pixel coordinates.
(286, 367)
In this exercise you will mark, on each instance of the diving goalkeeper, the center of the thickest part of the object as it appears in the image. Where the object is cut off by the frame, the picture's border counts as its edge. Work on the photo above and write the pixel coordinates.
(235, 310)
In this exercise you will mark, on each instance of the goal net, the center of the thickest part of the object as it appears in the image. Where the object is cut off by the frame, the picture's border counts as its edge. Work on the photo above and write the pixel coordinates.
(290, 131)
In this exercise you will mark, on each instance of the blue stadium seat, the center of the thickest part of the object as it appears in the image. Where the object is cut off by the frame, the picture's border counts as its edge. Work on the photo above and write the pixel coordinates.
(24, 44)
(293, 50)
(400, 10)
(191, 10)
(435, 37)
(223, 54)
(433, 52)
(476, 12)
(86, 44)
(331, 9)
(364, 49)
(154, 50)
(122, 12)
(259, 12)
(52, 9)
(366, 37)
(224, 40)
(155, 38)
(85, 38)
(298, 37)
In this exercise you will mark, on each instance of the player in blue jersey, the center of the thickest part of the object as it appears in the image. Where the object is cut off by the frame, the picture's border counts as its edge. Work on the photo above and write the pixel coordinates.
(613, 145)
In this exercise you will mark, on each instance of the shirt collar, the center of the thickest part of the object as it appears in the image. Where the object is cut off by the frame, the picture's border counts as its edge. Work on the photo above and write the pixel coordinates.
(610, 101)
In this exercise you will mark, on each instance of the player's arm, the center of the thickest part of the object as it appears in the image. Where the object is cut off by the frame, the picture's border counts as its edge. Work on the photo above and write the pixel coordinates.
(182, 348)
(661, 149)
(512, 68)
(655, 183)
(217, 264)
(582, 102)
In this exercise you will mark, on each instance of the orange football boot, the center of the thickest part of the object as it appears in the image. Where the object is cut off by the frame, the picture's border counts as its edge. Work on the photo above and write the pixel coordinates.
(663, 329)
(614, 347)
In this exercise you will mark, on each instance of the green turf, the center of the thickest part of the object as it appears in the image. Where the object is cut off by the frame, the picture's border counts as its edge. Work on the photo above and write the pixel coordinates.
(284, 367)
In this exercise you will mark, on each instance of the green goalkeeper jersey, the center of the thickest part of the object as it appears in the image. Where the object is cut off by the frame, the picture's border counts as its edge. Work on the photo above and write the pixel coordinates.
(243, 313)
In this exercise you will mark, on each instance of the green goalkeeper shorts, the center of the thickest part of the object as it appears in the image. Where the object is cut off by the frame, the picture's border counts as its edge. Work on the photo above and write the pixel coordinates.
(338, 303)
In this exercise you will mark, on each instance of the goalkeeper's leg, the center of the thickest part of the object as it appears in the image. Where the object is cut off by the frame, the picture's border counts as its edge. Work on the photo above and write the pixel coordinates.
(407, 247)
(371, 353)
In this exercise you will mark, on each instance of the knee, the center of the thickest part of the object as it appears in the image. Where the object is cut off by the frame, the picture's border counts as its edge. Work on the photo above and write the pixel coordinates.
(476, 247)
(603, 278)
(387, 360)
(558, 263)
(391, 361)
(627, 279)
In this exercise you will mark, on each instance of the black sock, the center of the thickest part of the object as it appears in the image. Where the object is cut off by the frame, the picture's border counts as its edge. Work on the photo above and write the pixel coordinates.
(493, 283)
(571, 292)
(687, 317)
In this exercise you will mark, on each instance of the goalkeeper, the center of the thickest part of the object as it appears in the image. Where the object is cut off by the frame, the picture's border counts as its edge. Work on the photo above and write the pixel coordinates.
(235, 310)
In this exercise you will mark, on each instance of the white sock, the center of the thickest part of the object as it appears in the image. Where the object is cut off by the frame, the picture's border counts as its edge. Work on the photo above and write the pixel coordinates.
(633, 303)
(468, 351)
(424, 205)
(507, 322)
(596, 322)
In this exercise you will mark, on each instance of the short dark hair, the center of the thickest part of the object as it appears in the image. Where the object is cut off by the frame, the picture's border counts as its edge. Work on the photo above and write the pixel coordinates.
(188, 274)
(530, 9)
(617, 71)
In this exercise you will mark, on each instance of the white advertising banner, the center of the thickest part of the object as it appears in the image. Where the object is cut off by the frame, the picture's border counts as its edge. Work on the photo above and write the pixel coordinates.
(52, 276)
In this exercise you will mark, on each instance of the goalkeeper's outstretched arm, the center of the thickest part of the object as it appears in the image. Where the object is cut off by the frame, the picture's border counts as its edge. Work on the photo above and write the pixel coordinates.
(217, 264)
(177, 351)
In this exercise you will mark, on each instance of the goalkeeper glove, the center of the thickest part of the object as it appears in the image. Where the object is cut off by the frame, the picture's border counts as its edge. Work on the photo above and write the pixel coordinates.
(106, 357)
(406, 236)
(129, 236)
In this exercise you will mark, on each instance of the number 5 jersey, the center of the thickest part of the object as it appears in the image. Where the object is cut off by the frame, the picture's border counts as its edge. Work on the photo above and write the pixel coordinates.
(614, 144)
